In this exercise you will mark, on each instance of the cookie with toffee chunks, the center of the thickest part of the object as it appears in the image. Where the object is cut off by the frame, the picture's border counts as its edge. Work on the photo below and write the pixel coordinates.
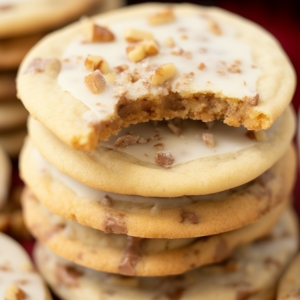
(18, 278)
(251, 270)
(152, 62)
(25, 17)
(170, 159)
(127, 255)
(289, 285)
(156, 217)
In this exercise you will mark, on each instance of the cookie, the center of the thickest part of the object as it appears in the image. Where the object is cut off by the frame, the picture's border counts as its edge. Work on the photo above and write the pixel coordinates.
(185, 61)
(5, 172)
(289, 285)
(12, 141)
(20, 18)
(170, 165)
(119, 253)
(18, 279)
(12, 51)
(12, 115)
(251, 269)
(7, 85)
(150, 217)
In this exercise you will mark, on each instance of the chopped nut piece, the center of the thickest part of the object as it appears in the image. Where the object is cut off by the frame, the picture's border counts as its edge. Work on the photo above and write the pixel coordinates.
(174, 129)
(235, 67)
(95, 82)
(93, 62)
(162, 17)
(13, 292)
(159, 146)
(136, 52)
(111, 77)
(97, 33)
(126, 140)
(162, 74)
(169, 42)
(201, 66)
(208, 139)
(253, 101)
(181, 52)
(164, 158)
(150, 47)
(215, 28)
(121, 68)
(135, 35)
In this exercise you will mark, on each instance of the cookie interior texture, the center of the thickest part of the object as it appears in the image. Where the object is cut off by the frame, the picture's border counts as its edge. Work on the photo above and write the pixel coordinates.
(119, 253)
(170, 217)
(81, 128)
(104, 168)
(251, 269)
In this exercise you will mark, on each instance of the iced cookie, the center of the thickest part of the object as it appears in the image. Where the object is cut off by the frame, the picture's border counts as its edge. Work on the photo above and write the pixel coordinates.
(24, 17)
(171, 160)
(252, 269)
(7, 86)
(18, 279)
(12, 115)
(149, 62)
(119, 253)
(5, 171)
(12, 51)
(289, 286)
(153, 217)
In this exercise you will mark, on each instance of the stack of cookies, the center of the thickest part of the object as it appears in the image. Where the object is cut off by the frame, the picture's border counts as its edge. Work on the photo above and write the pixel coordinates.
(22, 24)
(159, 162)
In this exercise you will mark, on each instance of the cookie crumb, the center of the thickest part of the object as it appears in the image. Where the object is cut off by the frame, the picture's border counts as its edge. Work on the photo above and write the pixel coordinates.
(121, 68)
(164, 158)
(13, 292)
(208, 139)
(126, 140)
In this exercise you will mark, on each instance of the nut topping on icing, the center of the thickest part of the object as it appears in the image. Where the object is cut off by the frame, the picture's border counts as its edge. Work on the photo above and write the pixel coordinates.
(162, 74)
(95, 82)
(201, 66)
(169, 42)
(97, 33)
(164, 158)
(215, 28)
(136, 52)
(126, 140)
(163, 17)
(151, 47)
(135, 35)
(208, 139)
(110, 77)
(94, 62)
(13, 292)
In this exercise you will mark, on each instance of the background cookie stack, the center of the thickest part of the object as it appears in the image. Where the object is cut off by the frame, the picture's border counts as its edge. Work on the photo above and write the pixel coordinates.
(162, 198)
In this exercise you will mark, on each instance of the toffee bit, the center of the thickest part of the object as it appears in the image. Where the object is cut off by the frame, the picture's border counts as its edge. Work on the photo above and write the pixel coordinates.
(174, 129)
(126, 140)
(164, 158)
(208, 139)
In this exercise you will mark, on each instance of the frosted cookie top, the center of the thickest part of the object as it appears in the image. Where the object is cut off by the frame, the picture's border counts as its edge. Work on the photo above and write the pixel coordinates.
(18, 279)
(152, 62)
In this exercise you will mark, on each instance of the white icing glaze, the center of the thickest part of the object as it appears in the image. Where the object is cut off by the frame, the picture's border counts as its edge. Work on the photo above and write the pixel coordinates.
(225, 48)
(15, 270)
(186, 147)
(84, 191)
